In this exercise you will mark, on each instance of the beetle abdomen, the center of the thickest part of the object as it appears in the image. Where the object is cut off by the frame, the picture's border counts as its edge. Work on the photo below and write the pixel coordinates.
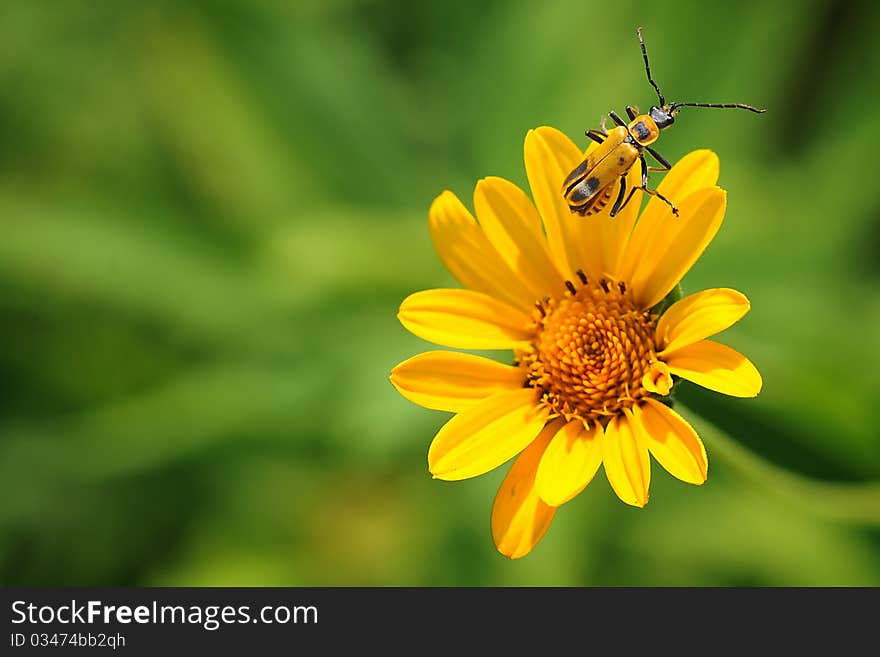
(595, 205)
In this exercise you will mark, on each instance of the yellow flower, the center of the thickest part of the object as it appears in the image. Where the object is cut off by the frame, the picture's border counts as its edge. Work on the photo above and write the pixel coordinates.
(576, 300)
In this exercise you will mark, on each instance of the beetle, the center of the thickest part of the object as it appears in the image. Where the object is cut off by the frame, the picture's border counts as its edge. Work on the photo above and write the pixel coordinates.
(588, 188)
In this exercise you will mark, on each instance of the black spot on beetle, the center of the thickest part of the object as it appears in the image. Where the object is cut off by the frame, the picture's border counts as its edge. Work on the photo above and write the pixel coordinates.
(641, 131)
(584, 190)
(572, 178)
(579, 194)
(579, 171)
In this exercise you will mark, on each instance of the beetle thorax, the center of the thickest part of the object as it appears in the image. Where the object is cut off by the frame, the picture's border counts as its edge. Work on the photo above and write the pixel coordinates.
(643, 129)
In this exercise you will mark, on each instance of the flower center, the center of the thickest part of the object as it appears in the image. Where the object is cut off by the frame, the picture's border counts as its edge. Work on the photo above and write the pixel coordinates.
(591, 350)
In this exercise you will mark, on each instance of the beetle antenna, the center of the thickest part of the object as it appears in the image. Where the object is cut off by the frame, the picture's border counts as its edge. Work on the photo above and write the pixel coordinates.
(756, 110)
(648, 67)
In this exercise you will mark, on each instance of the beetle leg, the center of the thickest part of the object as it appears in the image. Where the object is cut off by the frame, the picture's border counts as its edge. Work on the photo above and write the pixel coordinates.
(596, 136)
(602, 127)
(616, 119)
(619, 196)
(631, 192)
(654, 192)
(632, 112)
(662, 160)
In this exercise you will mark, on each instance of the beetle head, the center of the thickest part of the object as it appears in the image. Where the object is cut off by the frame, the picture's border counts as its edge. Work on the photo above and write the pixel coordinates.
(663, 116)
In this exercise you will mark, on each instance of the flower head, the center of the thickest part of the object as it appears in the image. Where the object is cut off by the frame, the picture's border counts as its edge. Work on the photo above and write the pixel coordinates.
(581, 303)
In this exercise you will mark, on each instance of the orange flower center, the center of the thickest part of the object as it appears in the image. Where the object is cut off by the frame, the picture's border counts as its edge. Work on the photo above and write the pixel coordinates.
(591, 351)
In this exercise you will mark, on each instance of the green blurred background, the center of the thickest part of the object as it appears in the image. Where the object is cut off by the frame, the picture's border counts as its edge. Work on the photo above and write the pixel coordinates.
(209, 212)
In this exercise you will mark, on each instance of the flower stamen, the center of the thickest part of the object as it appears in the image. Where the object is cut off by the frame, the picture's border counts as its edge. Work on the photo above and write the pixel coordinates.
(592, 351)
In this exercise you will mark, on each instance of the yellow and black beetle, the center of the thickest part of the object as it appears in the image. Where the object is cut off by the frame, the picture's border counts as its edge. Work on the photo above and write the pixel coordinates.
(588, 188)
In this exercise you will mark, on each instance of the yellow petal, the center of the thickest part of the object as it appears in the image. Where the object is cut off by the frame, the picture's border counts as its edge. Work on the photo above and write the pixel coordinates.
(671, 440)
(450, 381)
(716, 367)
(695, 170)
(657, 378)
(467, 254)
(626, 461)
(684, 239)
(485, 435)
(699, 316)
(464, 319)
(513, 226)
(569, 462)
(519, 517)
(614, 232)
(550, 156)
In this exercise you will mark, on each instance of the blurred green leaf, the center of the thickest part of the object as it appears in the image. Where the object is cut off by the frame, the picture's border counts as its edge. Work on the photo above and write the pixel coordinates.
(211, 211)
